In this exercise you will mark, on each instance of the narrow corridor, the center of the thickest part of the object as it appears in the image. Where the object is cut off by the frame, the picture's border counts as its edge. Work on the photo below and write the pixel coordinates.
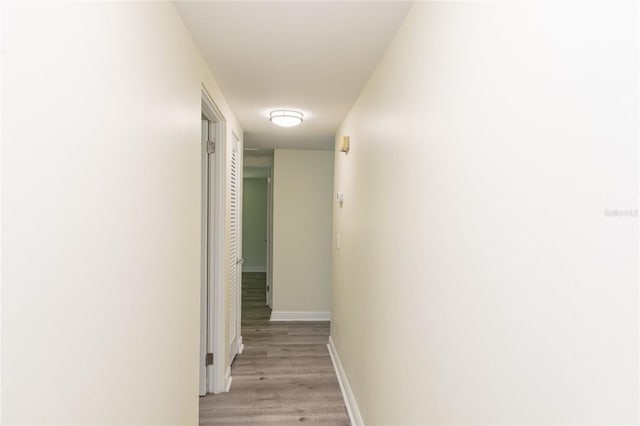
(283, 377)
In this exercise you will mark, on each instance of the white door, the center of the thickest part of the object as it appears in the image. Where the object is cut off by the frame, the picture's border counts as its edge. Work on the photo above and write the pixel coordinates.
(235, 256)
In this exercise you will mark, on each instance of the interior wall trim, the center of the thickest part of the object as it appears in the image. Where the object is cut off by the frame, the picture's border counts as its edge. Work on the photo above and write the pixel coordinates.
(300, 316)
(355, 418)
(228, 379)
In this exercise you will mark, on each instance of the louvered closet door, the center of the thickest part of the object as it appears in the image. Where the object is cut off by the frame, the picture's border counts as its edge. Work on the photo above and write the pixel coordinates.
(234, 255)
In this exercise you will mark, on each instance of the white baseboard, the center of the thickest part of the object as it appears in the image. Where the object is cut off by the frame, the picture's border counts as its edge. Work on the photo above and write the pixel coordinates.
(254, 268)
(300, 316)
(228, 379)
(349, 400)
(227, 376)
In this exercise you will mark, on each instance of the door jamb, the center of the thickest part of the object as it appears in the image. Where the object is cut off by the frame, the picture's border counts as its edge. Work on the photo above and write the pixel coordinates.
(216, 382)
(270, 236)
(204, 237)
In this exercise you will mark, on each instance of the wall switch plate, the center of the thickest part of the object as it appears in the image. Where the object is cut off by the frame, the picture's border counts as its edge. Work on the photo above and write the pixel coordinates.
(345, 144)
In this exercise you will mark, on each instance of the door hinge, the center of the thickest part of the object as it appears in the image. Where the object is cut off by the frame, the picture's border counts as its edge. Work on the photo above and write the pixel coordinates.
(208, 359)
(211, 147)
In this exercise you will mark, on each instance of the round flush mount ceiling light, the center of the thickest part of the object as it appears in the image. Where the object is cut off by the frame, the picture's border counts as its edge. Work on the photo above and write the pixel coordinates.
(285, 117)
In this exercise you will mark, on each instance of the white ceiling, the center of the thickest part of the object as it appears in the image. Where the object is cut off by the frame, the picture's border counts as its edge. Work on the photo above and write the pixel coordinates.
(313, 56)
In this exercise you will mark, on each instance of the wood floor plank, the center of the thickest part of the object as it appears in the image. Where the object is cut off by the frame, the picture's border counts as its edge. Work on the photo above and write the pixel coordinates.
(284, 375)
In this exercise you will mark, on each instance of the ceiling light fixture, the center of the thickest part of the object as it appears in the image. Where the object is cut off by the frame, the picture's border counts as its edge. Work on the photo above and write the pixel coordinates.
(286, 117)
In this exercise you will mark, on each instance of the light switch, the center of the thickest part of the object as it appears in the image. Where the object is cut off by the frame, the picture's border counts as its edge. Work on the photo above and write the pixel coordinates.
(344, 147)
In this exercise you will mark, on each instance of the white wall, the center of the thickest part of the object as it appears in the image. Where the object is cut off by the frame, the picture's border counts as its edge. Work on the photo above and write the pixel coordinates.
(302, 206)
(479, 280)
(254, 224)
(101, 214)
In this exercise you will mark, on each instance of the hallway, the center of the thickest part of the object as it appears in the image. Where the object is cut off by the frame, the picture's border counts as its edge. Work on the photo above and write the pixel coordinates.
(452, 212)
(283, 377)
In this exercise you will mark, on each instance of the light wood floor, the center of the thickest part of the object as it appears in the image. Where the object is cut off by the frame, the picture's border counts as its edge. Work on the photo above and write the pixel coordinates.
(283, 377)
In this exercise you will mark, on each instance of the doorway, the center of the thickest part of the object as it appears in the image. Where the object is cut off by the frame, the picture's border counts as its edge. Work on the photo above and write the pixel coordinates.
(257, 226)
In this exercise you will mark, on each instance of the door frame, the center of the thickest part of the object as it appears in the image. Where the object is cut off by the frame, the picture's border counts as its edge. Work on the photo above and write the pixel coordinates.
(270, 238)
(215, 291)
(205, 171)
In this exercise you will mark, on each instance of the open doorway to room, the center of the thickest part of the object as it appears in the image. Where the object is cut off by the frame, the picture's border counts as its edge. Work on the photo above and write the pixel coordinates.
(256, 235)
